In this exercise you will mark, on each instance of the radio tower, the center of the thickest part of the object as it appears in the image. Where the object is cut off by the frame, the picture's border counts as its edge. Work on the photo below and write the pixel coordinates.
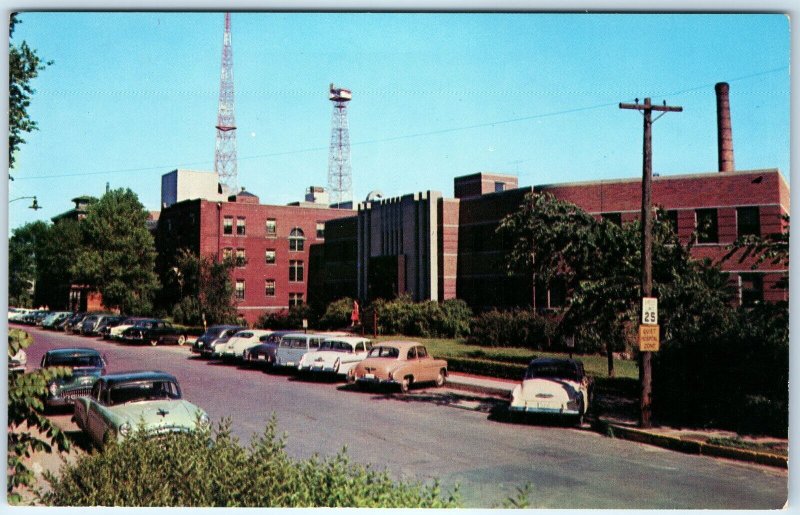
(339, 171)
(225, 155)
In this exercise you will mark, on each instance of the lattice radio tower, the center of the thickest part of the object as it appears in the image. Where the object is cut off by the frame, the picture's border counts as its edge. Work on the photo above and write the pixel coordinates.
(225, 155)
(340, 180)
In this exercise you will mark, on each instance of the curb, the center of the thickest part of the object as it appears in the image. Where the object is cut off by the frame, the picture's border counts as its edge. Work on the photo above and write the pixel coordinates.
(486, 390)
(690, 446)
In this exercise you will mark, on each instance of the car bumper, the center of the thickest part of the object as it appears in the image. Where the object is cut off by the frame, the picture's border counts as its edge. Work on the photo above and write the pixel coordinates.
(544, 409)
(367, 380)
(319, 369)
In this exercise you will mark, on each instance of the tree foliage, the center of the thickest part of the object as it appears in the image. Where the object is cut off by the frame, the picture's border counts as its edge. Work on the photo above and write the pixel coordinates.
(204, 287)
(117, 255)
(23, 248)
(29, 430)
(211, 468)
(24, 66)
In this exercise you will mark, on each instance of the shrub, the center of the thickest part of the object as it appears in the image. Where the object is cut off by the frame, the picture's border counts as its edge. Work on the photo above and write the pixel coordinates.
(513, 328)
(428, 319)
(284, 320)
(337, 314)
(211, 468)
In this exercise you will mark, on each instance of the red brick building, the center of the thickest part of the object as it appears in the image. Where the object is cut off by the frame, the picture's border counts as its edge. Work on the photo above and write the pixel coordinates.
(271, 243)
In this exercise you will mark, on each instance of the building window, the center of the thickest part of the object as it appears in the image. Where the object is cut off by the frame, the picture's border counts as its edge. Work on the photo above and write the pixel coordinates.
(751, 289)
(227, 225)
(295, 299)
(747, 222)
(240, 227)
(296, 240)
(272, 228)
(295, 271)
(269, 257)
(672, 220)
(239, 289)
(269, 287)
(499, 186)
(320, 230)
(707, 229)
(614, 218)
(227, 254)
(240, 258)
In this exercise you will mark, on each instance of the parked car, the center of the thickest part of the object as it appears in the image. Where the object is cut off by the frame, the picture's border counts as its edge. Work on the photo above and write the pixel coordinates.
(17, 362)
(203, 344)
(74, 321)
(553, 386)
(400, 363)
(16, 314)
(119, 403)
(264, 352)
(115, 333)
(293, 346)
(109, 321)
(154, 332)
(241, 341)
(89, 324)
(336, 355)
(86, 364)
(52, 320)
(34, 317)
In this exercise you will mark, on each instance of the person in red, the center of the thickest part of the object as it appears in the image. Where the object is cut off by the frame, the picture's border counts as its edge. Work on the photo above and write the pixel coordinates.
(355, 315)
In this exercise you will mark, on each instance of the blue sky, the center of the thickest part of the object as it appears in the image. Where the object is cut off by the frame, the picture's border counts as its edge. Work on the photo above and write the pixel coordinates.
(131, 96)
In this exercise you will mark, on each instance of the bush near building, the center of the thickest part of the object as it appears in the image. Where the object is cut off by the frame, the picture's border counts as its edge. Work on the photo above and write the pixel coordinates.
(337, 314)
(211, 468)
(286, 320)
(450, 318)
(513, 328)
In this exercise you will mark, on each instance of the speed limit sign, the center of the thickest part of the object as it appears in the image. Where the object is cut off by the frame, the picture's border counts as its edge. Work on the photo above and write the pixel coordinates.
(649, 310)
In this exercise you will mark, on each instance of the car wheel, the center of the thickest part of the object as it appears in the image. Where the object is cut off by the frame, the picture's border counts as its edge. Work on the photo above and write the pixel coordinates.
(154, 342)
(404, 384)
(441, 378)
(181, 340)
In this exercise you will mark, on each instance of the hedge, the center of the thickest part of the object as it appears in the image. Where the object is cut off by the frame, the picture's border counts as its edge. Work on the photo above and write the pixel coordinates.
(513, 328)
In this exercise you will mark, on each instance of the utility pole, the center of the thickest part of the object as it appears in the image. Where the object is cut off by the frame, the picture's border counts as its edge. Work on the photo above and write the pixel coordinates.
(645, 365)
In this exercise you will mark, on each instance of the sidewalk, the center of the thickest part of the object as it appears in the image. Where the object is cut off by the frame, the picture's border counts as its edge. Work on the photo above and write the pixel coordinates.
(708, 442)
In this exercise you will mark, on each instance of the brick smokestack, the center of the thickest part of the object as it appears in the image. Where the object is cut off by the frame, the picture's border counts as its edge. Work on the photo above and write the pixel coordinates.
(724, 130)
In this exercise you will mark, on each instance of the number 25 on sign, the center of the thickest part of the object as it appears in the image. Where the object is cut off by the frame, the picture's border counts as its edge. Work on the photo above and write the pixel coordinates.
(649, 310)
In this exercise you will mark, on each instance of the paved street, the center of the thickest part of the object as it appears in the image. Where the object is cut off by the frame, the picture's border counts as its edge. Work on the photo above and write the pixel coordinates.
(427, 434)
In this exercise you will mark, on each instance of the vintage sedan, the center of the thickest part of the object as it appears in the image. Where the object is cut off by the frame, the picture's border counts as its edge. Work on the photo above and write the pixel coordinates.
(294, 346)
(242, 341)
(115, 332)
(52, 320)
(121, 403)
(553, 386)
(17, 362)
(336, 355)
(264, 353)
(399, 363)
(86, 364)
(205, 342)
(154, 332)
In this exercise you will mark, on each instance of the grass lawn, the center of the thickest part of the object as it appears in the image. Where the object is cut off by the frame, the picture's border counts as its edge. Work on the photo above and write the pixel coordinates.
(595, 365)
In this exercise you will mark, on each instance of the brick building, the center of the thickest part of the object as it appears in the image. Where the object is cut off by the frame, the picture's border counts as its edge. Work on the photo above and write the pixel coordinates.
(271, 244)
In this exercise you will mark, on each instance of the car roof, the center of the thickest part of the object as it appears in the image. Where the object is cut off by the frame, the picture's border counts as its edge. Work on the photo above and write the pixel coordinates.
(399, 344)
(348, 339)
(138, 375)
(555, 361)
(73, 351)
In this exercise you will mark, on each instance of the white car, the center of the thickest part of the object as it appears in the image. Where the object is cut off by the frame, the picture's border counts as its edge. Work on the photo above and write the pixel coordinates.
(115, 333)
(336, 355)
(553, 386)
(16, 314)
(242, 341)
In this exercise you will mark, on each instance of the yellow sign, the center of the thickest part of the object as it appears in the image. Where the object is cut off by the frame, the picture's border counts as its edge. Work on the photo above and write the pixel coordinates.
(648, 338)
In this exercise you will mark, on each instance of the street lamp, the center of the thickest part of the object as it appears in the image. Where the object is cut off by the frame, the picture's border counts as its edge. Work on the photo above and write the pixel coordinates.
(35, 205)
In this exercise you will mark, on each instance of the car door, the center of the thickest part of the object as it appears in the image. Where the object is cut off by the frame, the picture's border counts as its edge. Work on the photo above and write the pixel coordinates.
(426, 365)
(95, 422)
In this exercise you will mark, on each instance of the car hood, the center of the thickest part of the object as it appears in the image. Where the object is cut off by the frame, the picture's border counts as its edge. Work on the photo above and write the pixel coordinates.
(554, 388)
(158, 414)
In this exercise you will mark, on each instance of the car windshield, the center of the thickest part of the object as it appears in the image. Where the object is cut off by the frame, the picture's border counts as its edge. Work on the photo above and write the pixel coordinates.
(336, 345)
(552, 371)
(293, 343)
(74, 361)
(384, 352)
(143, 391)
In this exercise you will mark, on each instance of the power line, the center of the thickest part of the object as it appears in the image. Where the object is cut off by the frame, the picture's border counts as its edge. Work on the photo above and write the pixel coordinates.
(400, 137)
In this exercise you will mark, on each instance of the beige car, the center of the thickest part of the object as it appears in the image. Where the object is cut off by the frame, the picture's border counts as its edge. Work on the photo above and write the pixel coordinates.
(398, 363)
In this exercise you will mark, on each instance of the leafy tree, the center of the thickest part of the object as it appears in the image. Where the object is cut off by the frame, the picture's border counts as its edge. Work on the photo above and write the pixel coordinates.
(205, 288)
(211, 468)
(23, 249)
(24, 66)
(601, 265)
(28, 429)
(117, 256)
(57, 253)
(772, 248)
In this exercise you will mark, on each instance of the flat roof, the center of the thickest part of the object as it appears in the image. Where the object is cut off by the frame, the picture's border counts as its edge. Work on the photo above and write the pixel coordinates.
(657, 178)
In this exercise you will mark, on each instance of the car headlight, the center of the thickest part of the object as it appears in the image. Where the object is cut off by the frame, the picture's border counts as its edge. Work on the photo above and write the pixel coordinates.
(53, 389)
(204, 419)
(124, 429)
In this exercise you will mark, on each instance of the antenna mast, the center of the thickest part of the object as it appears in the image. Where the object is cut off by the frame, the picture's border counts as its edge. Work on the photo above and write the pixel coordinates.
(339, 170)
(225, 155)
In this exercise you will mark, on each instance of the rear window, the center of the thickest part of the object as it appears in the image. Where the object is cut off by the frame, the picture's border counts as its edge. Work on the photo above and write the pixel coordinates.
(384, 352)
(552, 370)
(74, 361)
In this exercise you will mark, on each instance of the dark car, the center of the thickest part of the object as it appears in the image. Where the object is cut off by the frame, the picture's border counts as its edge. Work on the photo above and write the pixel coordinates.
(153, 331)
(73, 321)
(89, 326)
(203, 344)
(107, 323)
(54, 319)
(264, 353)
(35, 317)
(86, 364)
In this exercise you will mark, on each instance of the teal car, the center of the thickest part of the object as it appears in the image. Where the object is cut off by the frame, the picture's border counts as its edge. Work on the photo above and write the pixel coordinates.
(87, 365)
(120, 403)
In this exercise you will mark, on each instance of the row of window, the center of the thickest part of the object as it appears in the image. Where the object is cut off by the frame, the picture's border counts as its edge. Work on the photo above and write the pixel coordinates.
(241, 259)
(295, 299)
(271, 227)
(748, 222)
